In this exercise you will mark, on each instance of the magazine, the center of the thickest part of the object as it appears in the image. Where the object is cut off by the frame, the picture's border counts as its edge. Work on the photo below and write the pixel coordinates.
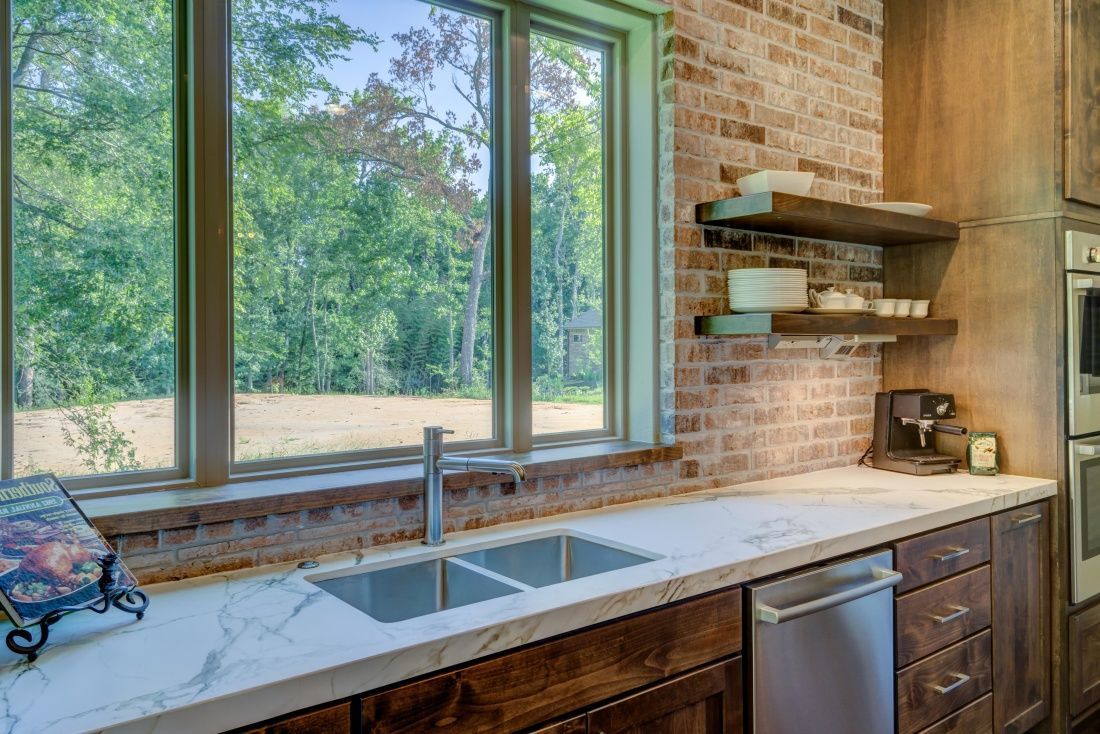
(48, 550)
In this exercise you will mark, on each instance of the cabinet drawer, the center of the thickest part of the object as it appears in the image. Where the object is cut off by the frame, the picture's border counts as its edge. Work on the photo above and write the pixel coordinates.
(939, 615)
(937, 686)
(977, 718)
(942, 553)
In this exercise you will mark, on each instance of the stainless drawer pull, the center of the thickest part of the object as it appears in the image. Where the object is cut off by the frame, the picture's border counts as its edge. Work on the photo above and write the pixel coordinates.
(951, 555)
(960, 678)
(945, 618)
(1022, 520)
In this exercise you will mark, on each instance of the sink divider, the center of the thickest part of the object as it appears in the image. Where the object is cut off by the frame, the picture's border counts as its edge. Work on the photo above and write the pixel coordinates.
(508, 580)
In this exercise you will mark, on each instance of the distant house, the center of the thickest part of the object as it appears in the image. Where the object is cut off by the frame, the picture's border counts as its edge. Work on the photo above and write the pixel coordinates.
(581, 359)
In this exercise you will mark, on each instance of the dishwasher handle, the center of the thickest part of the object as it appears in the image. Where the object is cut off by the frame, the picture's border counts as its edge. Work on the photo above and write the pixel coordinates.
(884, 579)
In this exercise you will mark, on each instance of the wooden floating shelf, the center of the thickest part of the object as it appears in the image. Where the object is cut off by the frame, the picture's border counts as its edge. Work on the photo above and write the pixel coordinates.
(802, 216)
(820, 324)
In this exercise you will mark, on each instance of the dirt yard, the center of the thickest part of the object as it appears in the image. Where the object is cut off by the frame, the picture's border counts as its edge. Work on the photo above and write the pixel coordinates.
(284, 425)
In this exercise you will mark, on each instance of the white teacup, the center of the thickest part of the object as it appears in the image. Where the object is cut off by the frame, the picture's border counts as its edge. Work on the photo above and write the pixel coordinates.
(853, 300)
(919, 309)
(885, 306)
(901, 308)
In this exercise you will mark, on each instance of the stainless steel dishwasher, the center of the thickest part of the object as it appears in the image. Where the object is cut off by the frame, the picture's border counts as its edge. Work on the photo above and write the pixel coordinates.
(822, 649)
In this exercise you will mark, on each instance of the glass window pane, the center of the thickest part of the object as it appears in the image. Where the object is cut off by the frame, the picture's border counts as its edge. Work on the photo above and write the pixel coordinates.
(362, 225)
(568, 233)
(94, 235)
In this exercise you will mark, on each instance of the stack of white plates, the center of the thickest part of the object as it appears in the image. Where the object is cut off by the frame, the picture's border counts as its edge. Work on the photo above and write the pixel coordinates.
(768, 290)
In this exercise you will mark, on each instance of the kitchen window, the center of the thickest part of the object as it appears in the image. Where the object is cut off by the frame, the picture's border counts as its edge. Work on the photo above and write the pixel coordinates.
(265, 237)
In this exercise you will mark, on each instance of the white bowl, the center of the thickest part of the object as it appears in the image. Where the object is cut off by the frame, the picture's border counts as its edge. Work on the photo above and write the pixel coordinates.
(784, 182)
(903, 207)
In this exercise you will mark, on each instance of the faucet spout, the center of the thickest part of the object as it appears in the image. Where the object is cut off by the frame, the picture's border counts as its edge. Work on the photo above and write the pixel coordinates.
(434, 464)
(489, 466)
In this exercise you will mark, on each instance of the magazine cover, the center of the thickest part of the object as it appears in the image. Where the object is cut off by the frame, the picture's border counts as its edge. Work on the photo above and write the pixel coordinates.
(48, 550)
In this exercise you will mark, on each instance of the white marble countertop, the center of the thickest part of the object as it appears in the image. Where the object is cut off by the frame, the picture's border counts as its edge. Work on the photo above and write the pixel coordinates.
(223, 651)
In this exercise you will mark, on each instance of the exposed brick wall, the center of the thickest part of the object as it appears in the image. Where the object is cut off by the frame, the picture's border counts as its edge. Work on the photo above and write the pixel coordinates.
(751, 84)
(745, 84)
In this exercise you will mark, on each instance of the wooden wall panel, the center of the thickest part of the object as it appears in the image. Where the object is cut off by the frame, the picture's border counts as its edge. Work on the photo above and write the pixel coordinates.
(1003, 366)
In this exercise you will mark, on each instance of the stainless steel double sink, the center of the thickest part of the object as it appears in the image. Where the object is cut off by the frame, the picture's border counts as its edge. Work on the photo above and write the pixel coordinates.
(424, 586)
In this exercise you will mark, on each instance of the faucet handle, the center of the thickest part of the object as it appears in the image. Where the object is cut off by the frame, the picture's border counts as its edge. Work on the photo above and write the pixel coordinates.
(434, 433)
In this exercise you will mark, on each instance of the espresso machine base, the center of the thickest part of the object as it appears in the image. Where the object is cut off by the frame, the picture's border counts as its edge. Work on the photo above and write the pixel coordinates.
(905, 424)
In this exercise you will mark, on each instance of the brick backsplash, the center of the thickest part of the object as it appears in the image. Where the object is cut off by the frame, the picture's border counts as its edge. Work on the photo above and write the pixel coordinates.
(744, 85)
(178, 553)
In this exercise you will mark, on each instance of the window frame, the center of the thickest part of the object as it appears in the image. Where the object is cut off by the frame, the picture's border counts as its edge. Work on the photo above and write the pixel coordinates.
(204, 281)
(608, 43)
(183, 388)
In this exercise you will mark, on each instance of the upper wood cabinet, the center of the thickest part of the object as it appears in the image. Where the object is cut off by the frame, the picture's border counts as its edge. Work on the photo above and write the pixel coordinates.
(979, 96)
(1082, 169)
(971, 118)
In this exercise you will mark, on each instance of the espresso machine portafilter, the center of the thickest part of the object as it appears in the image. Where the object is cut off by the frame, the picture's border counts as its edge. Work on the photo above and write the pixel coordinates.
(905, 421)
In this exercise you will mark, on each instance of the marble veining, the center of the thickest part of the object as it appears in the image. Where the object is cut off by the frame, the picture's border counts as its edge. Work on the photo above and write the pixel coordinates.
(223, 651)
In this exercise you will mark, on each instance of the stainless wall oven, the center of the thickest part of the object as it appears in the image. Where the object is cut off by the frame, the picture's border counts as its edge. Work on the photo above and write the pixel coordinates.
(1083, 409)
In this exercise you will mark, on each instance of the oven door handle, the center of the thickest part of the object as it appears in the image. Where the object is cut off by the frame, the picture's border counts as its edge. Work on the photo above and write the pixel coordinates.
(1086, 450)
(1083, 284)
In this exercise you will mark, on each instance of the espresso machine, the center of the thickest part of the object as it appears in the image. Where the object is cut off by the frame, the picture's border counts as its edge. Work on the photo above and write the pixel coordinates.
(905, 421)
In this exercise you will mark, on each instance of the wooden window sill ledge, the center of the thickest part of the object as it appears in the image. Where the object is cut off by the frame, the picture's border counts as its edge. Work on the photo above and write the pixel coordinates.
(172, 508)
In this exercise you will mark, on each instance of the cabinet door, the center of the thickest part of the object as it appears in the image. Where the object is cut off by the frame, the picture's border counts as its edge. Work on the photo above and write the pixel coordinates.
(1082, 168)
(1084, 660)
(1021, 618)
(329, 720)
(705, 702)
(578, 725)
(977, 718)
(546, 681)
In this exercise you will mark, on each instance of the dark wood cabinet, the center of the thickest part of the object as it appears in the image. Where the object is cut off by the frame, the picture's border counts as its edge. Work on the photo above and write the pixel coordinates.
(977, 718)
(547, 681)
(1084, 660)
(970, 629)
(333, 719)
(707, 701)
(575, 725)
(1021, 609)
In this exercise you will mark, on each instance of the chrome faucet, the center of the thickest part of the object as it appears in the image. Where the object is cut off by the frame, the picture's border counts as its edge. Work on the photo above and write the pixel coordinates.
(434, 464)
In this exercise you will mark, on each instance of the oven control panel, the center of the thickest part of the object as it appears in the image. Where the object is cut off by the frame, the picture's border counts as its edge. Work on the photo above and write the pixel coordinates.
(1083, 252)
